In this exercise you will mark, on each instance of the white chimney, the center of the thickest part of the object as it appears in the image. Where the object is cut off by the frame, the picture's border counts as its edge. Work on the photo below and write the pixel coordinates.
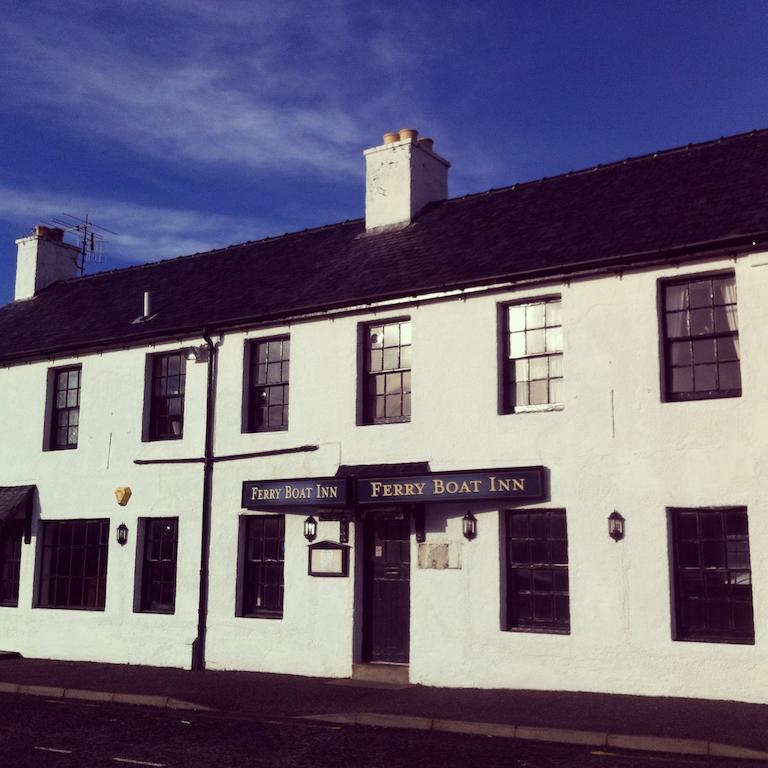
(401, 176)
(42, 259)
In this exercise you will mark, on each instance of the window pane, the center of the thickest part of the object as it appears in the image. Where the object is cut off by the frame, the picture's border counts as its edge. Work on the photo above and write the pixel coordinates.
(516, 317)
(539, 368)
(729, 376)
(534, 342)
(676, 297)
(553, 313)
(678, 324)
(539, 392)
(702, 322)
(517, 344)
(554, 339)
(705, 377)
(700, 293)
(534, 316)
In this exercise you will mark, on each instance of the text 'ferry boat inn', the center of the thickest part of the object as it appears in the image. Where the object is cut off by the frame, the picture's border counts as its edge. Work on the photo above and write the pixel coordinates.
(515, 439)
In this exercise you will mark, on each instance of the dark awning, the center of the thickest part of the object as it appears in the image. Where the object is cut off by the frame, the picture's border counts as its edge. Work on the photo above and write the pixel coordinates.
(16, 502)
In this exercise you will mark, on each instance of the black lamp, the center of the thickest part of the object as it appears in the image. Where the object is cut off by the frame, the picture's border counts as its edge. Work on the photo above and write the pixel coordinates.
(310, 528)
(122, 534)
(469, 526)
(616, 526)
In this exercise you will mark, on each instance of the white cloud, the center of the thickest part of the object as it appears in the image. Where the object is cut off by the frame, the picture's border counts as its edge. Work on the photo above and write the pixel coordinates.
(145, 233)
(255, 84)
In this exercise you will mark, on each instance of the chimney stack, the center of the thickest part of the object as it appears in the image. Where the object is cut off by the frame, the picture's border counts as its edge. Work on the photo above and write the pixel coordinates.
(402, 175)
(43, 258)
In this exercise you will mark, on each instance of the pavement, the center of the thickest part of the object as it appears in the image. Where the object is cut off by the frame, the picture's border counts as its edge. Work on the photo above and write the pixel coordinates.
(724, 729)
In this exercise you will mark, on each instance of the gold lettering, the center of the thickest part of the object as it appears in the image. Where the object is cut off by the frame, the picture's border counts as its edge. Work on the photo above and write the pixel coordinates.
(438, 486)
(398, 489)
(476, 485)
(452, 486)
(518, 485)
(419, 488)
(375, 489)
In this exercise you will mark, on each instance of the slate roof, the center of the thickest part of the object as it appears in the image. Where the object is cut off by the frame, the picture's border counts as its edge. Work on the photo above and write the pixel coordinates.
(689, 198)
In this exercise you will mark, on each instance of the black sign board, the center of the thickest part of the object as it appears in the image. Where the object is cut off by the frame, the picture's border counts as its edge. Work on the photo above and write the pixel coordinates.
(526, 484)
(305, 492)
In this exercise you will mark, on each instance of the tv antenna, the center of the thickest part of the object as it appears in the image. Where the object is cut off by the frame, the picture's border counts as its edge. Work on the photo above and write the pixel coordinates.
(91, 238)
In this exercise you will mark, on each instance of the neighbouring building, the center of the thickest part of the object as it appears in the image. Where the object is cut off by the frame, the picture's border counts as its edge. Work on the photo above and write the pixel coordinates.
(515, 439)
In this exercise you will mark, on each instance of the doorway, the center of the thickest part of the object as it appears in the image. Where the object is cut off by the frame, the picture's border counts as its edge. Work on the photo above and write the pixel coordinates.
(387, 586)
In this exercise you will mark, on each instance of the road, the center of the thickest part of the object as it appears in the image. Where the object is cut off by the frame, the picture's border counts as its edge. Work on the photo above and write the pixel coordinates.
(42, 733)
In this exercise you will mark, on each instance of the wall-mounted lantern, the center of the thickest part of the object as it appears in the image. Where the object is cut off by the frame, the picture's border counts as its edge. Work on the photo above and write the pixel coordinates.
(310, 528)
(616, 526)
(122, 534)
(469, 526)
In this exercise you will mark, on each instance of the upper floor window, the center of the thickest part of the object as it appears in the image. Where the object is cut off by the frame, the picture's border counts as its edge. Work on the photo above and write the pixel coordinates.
(166, 412)
(533, 374)
(701, 338)
(387, 374)
(158, 569)
(65, 408)
(713, 575)
(537, 570)
(268, 397)
(73, 569)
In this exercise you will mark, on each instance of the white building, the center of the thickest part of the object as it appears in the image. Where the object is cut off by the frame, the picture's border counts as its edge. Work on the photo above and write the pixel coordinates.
(476, 385)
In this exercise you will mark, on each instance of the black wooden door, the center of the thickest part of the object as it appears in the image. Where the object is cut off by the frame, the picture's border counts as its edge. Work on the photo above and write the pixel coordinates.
(387, 593)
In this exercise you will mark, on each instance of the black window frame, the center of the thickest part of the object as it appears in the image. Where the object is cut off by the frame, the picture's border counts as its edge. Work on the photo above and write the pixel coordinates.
(159, 563)
(718, 336)
(526, 576)
(715, 583)
(57, 552)
(159, 399)
(376, 377)
(11, 541)
(262, 361)
(68, 414)
(551, 353)
(259, 572)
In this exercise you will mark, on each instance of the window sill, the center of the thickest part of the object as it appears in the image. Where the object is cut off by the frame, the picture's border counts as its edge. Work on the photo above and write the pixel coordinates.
(544, 407)
(698, 396)
(719, 640)
(384, 421)
(261, 616)
(157, 611)
(68, 608)
(538, 630)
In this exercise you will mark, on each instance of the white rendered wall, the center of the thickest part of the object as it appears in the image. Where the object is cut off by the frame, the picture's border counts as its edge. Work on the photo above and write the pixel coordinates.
(614, 445)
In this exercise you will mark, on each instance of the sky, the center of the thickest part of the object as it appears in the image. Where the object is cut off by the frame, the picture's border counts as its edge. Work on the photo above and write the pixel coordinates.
(186, 125)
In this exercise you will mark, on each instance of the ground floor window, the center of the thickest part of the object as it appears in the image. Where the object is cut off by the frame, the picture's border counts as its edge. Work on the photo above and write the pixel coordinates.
(73, 568)
(537, 570)
(11, 534)
(158, 566)
(262, 566)
(713, 575)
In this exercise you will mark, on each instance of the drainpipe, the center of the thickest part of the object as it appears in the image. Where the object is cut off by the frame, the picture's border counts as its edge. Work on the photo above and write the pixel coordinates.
(198, 646)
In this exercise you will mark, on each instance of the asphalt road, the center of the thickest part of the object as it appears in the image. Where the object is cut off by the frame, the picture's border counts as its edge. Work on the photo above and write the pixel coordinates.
(67, 734)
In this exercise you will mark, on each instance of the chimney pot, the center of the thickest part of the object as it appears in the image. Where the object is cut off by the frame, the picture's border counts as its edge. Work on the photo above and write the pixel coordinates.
(426, 144)
(391, 137)
(408, 133)
(51, 233)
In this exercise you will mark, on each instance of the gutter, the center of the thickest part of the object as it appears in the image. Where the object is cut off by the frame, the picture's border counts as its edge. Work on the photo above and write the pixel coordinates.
(723, 248)
(198, 646)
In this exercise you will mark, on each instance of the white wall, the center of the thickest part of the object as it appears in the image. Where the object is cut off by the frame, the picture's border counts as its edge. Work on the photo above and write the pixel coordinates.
(614, 445)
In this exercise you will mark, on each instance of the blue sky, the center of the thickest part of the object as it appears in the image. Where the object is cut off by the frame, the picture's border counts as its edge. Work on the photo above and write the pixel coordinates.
(184, 125)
